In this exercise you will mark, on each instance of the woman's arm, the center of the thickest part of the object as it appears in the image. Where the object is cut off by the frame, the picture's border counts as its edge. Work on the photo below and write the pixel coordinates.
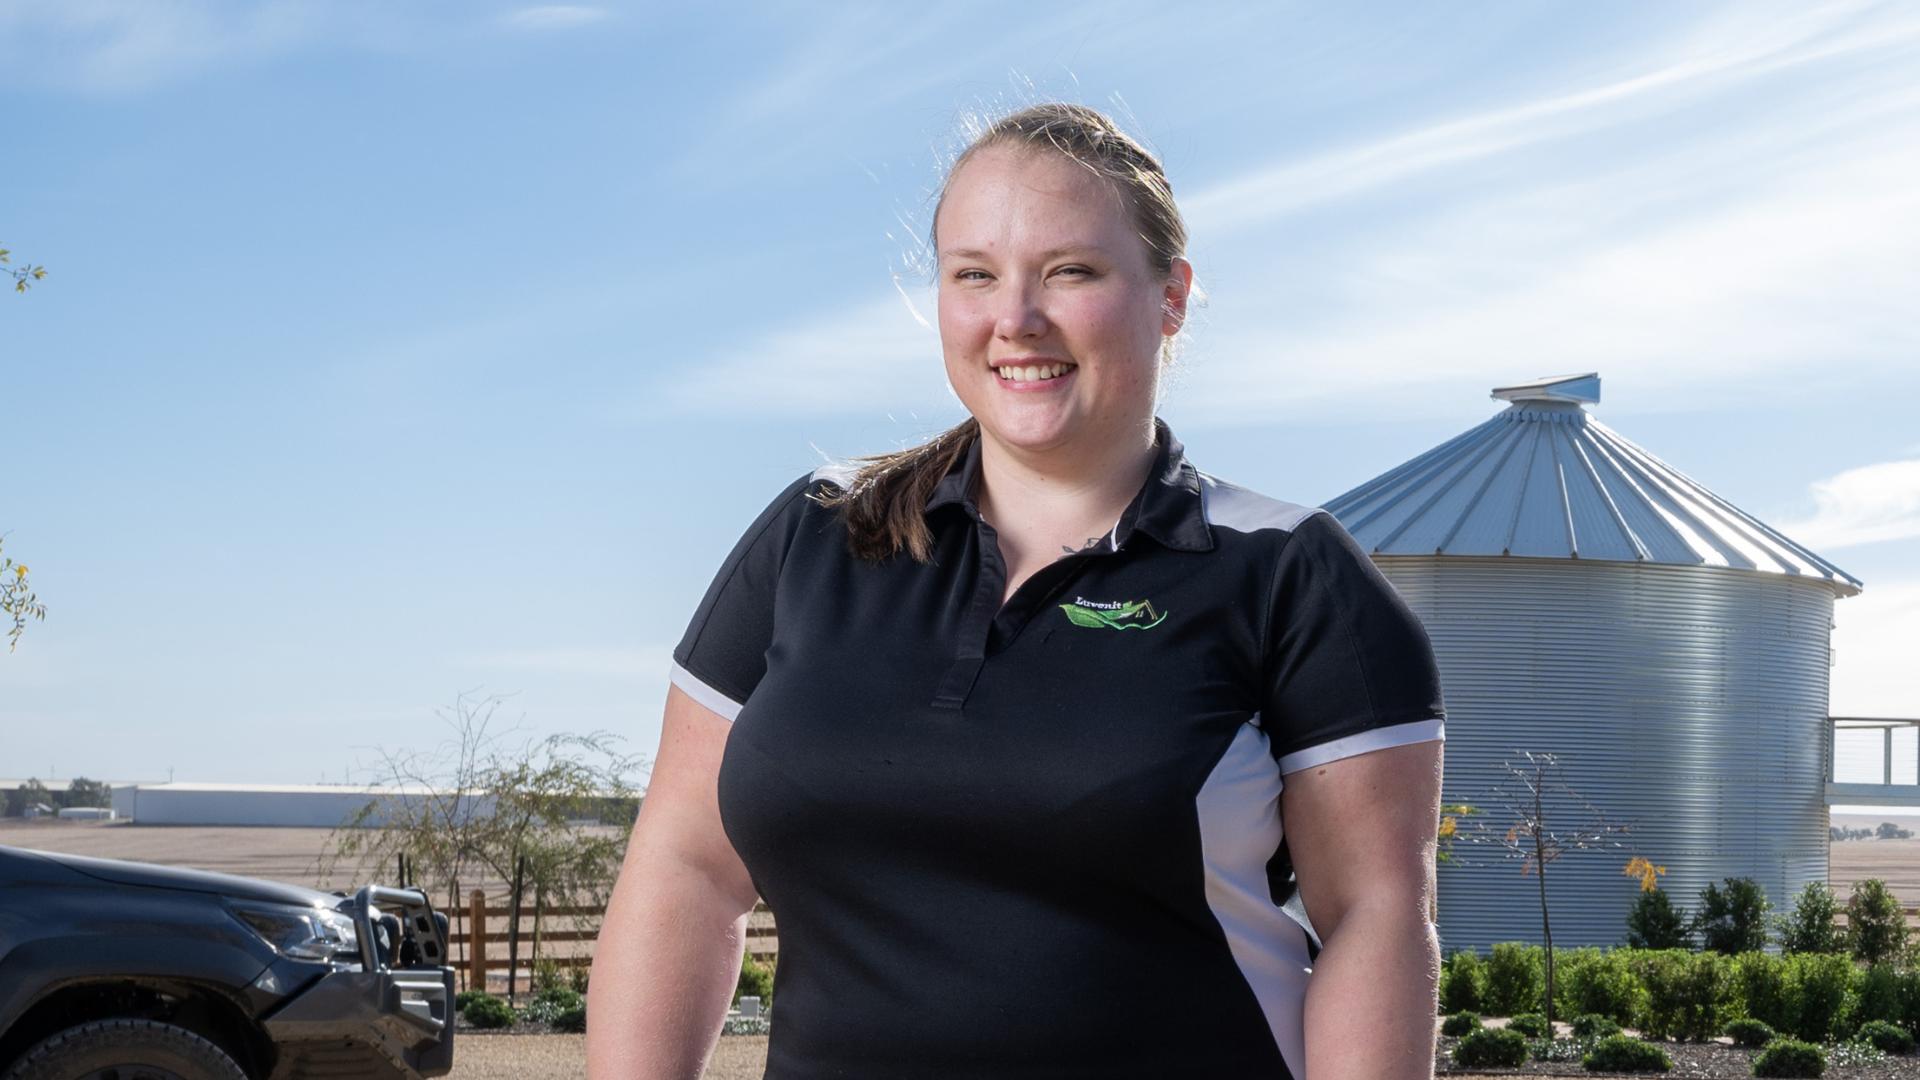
(668, 958)
(1361, 831)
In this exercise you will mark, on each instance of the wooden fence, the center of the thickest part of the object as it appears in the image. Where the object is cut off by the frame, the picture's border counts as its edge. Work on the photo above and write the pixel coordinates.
(489, 949)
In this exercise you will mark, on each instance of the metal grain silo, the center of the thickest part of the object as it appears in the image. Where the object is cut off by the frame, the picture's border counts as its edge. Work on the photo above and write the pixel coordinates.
(1587, 599)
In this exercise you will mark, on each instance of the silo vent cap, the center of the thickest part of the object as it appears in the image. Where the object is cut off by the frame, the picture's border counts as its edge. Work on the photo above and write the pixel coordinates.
(1573, 389)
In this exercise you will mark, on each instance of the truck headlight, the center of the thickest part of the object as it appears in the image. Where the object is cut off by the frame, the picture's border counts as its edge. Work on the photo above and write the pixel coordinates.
(304, 933)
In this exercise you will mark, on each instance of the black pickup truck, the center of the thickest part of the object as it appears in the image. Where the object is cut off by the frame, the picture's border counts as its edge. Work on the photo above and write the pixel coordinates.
(114, 970)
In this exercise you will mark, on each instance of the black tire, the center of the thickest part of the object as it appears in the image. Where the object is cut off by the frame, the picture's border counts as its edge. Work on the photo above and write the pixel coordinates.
(125, 1050)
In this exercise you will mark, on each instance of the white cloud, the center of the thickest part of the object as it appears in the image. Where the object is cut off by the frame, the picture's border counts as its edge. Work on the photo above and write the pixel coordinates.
(1758, 43)
(554, 16)
(875, 356)
(1726, 257)
(116, 45)
(1875, 638)
(1862, 506)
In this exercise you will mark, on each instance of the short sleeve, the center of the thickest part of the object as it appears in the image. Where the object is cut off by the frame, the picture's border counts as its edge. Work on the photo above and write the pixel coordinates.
(1349, 667)
(723, 654)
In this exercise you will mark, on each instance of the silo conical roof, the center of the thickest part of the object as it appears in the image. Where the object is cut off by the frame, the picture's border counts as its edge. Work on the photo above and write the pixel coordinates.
(1544, 479)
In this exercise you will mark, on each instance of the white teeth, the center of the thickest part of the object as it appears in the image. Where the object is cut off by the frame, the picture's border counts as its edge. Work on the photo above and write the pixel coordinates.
(1033, 373)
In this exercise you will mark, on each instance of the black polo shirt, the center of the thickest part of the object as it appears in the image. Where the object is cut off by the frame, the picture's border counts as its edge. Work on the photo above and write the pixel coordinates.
(1043, 840)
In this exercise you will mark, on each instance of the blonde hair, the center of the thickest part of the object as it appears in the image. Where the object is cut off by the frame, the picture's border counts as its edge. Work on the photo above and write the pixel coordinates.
(883, 503)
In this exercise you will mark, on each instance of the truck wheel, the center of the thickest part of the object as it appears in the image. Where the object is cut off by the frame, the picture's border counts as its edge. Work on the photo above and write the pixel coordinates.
(126, 1050)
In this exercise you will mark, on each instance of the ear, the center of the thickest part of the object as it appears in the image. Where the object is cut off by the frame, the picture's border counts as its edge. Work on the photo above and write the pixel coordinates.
(1178, 287)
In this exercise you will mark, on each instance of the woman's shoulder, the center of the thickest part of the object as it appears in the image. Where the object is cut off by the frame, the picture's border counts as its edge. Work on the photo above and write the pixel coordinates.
(1240, 508)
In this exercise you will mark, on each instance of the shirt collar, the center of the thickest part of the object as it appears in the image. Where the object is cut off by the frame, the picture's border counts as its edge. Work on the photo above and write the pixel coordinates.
(1168, 506)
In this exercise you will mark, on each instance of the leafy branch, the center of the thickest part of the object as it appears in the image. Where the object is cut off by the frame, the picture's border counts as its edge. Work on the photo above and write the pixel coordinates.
(23, 276)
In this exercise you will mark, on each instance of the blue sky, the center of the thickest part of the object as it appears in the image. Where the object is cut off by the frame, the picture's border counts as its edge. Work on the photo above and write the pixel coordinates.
(390, 351)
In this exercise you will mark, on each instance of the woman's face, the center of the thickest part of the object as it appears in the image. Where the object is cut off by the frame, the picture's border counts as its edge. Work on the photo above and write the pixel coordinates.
(1051, 315)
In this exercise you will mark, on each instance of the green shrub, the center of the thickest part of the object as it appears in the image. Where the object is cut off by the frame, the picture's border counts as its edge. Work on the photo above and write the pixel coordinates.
(546, 975)
(755, 981)
(1790, 1058)
(1654, 923)
(1733, 920)
(1515, 979)
(1817, 986)
(1532, 1025)
(1594, 1026)
(573, 1020)
(1597, 981)
(487, 1011)
(1810, 928)
(577, 979)
(1460, 1023)
(549, 1004)
(1490, 1048)
(1460, 982)
(1624, 1053)
(1760, 983)
(1750, 1032)
(466, 997)
(1689, 995)
(1876, 996)
(1876, 928)
(1889, 1038)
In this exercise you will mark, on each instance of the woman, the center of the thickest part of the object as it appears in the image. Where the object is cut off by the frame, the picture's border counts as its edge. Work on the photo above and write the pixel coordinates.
(997, 725)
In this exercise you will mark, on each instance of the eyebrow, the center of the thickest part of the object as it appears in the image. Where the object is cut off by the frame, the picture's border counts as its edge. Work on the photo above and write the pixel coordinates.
(1051, 253)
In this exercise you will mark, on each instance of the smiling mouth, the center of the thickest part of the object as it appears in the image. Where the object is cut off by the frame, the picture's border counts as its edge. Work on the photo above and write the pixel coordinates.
(1032, 372)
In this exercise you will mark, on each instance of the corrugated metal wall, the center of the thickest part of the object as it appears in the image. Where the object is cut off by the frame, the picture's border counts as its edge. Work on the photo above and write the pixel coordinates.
(1690, 702)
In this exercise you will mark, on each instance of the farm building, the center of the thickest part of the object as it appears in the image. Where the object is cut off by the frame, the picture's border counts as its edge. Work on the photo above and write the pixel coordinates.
(299, 805)
(1586, 599)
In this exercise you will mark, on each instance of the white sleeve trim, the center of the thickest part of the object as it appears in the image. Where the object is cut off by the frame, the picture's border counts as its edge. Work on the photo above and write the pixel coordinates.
(690, 684)
(1377, 739)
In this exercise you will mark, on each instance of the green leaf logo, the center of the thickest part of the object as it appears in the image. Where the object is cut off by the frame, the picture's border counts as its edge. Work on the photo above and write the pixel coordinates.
(1113, 614)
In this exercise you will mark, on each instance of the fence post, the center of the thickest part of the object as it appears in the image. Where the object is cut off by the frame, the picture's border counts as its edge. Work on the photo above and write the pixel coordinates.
(477, 940)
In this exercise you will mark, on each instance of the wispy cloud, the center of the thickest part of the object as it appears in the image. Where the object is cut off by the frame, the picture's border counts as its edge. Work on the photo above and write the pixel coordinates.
(1862, 506)
(872, 357)
(554, 17)
(1588, 228)
(118, 45)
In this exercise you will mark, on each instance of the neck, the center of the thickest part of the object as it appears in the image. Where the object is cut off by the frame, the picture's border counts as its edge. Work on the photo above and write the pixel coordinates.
(1065, 490)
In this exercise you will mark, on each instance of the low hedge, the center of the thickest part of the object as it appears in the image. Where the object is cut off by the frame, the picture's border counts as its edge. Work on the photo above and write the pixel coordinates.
(1747, 1031)
(1790, 1058)
(1532, 1025)
(1593, 1026)
(1460, 1023)
(1491, 1048)
(1888, 1038)
(487, 1011)
(1624, 1053)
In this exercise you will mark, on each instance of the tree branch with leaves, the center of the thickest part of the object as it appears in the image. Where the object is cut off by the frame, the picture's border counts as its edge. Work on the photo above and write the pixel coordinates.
(23, 276)
(17, 600)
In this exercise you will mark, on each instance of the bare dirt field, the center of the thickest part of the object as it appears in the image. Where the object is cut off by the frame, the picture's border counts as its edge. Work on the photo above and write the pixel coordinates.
(1896, 862)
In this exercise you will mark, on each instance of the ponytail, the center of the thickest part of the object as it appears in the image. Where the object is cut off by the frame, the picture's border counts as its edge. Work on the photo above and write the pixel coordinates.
(884, 504)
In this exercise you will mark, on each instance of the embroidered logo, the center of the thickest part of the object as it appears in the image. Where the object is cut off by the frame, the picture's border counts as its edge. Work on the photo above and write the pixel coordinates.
(1113, 614)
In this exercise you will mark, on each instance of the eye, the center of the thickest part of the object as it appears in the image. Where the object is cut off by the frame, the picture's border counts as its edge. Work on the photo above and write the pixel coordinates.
(1078, 271)
(971, 275)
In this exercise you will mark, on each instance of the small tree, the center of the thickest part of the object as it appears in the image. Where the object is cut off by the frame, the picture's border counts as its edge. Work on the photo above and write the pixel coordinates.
(1733, 920)
(1533, 788)
(1809, 927)
(1654, 923)
(84, 792)
(27, 795)
(1876, 925)
(480, 802)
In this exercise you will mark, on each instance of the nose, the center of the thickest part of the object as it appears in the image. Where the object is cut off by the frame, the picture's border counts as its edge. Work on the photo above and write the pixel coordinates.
(1020, 315)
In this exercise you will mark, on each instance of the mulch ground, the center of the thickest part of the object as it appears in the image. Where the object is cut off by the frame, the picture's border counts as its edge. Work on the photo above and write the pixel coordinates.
(1717, 1060)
